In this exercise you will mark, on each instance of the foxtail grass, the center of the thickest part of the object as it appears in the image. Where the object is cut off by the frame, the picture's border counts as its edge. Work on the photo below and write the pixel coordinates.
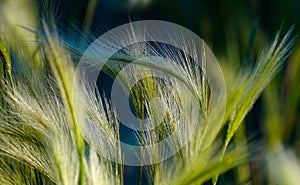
(54, 129)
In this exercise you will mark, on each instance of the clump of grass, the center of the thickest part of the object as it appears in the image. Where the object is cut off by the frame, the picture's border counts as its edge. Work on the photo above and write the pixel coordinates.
(47, 138)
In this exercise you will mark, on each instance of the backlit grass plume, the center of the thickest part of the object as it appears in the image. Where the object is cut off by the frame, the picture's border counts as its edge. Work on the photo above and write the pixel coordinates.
(54, 128)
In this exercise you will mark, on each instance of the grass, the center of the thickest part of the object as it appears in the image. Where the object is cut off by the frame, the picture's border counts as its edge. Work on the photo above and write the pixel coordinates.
(54, 130)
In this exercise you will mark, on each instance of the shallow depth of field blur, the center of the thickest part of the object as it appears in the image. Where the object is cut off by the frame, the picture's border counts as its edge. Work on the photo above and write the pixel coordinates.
(236, 32)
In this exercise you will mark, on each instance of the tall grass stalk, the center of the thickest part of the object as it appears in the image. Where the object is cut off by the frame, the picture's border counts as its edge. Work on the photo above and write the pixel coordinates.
(254, 81)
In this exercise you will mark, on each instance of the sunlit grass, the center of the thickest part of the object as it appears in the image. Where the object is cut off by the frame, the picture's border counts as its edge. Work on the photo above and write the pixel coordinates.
(41, 140)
